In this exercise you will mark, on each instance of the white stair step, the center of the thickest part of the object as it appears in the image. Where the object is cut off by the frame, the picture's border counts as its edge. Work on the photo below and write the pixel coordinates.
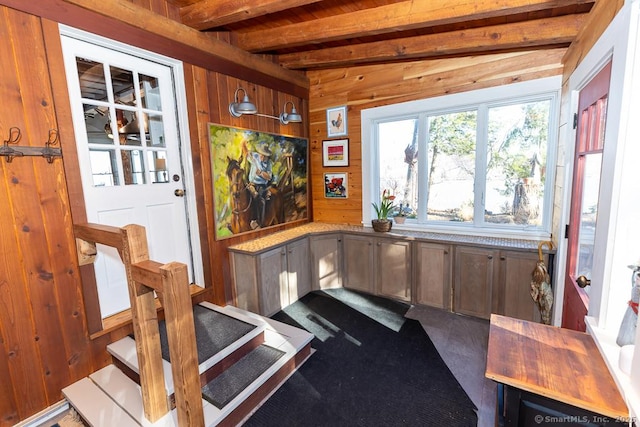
(122, 396)
(95, 407)
(126, 393)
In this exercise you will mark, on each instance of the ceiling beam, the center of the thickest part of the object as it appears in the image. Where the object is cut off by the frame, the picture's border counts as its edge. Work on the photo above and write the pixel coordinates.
(132, 24)
(407, 15)
(207, 14)
(558, 31)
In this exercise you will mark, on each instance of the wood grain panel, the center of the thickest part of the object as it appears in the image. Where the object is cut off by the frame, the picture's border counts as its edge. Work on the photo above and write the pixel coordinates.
(597, 21)
(34, 175)
(19, 273)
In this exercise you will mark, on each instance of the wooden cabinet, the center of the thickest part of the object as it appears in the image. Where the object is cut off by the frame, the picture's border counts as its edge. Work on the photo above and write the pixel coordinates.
(393, 268)
(474, 281)
(514, 285)
(273, 286)
(358, 262)
(298, 275)
(504, 277)
(433, 274)
(467, 279)
(326, 261)
(378, 265)
(270, 281)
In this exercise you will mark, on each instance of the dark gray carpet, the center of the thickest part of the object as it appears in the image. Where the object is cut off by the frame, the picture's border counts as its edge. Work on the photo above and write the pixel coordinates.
(372, 367)
(214, 332)
(232, 381)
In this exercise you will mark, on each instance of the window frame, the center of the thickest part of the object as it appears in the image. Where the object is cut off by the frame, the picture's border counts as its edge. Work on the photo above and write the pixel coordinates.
(480, 100)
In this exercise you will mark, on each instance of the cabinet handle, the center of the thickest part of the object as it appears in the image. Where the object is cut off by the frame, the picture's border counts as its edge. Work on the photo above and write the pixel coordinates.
(446, 252)
(502, 258)
(339, 240)
(379, 244)
(490, 256)
(290, 251)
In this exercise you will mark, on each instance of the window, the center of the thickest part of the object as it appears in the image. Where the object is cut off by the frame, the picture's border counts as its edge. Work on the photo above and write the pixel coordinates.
(467, 162)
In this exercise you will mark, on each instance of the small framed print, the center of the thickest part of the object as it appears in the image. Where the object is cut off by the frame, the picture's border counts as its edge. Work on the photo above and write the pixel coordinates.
(337, 121)
(335, 185)
(335, 152)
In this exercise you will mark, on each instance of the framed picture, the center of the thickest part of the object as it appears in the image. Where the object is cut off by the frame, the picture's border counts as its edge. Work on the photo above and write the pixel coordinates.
(259, 179)
(335, 152)
(337, 121)
(335, 185)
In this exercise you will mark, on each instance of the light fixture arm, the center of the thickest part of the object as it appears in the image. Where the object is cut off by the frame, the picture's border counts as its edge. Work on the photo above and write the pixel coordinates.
(237, 109)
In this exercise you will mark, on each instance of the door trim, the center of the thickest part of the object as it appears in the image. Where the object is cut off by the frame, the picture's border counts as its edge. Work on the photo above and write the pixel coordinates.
(583, 74)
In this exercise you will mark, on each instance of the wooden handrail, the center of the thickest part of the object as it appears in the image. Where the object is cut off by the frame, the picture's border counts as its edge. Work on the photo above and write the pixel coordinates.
(171, 282)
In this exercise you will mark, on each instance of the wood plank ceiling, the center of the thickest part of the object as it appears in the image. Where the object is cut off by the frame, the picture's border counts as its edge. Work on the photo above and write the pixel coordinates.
(313, 34)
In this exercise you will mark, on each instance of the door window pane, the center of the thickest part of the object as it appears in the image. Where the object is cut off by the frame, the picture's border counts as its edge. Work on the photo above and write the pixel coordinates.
(97, 125)
(150, 92)
(104, 169)
(451, 161)
(133, 167)
(588, 213)
(155, 134)
(92, 82)
(398, 147)
(516, 163)
(157, 161)
(123, 87)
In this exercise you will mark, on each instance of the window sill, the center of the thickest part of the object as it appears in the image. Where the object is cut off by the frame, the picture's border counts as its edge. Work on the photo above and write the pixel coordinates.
(610, 351)
(412, 225)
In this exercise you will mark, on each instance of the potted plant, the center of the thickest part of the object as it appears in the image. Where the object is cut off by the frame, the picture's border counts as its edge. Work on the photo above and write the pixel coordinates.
(382, 222)
(401, 216)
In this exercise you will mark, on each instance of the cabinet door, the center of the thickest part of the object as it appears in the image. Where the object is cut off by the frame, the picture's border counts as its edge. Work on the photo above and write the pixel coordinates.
(273, 288)
(474, 275)
(326, 261)
(393, 262)
(298, 276)
(433, 275)
(358, 262)
(243, 270)
(515, 281)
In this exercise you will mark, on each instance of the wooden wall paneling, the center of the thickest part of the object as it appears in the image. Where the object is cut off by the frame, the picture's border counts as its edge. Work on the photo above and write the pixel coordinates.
(61, 242)
(19, 326)
(13, 306)
(34, 236)
(197, 107)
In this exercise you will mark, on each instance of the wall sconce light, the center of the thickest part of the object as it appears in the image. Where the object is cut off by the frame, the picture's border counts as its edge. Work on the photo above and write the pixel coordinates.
(245, 107)
(237, 109)
(293, 117)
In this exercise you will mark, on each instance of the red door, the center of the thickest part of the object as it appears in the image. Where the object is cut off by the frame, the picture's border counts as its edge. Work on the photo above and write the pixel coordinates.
(592, 116)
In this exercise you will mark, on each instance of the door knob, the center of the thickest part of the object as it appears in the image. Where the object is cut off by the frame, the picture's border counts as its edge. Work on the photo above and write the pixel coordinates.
(179, 192)
(582, 281)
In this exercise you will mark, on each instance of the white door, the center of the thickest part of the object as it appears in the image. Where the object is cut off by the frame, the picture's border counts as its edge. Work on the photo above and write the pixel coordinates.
(128, 148)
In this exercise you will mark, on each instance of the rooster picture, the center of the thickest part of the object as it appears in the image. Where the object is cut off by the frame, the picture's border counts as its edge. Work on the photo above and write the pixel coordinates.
(337, 123)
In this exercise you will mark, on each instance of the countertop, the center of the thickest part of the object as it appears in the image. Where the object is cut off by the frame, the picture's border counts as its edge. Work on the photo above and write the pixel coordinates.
(313, 228)
(558, 363)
